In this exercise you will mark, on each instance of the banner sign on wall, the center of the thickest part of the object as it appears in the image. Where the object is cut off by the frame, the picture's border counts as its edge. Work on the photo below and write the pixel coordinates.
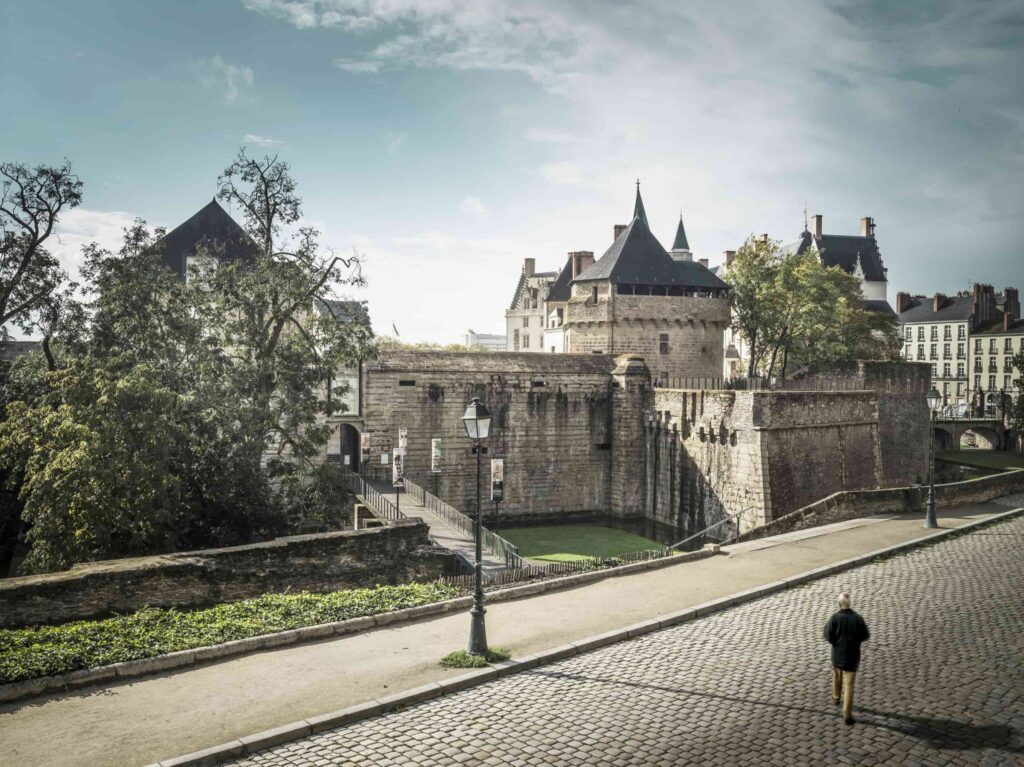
(403, 439)
(364, 442)
(398, 469)
(435, 455)
(383, 459)
(497, 479)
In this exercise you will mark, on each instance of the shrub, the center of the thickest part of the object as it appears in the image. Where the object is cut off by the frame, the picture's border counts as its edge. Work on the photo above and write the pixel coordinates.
(31, 652)
(463, 659)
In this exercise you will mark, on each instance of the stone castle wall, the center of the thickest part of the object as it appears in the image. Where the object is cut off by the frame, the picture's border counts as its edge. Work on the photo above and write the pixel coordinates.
(324, 562)
(552, 426)
(589, 435)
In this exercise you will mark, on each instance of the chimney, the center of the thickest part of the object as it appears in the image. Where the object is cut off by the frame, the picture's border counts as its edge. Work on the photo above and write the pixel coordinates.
(730, 256)
(703, 262)
(938, 301)
(764, 238)
(816, 225)
(867, 227)
(983, 305)
(580, 260)
(1012, 302)
(619, 229)
(902, 302)
(529, 266)
(1008, 319)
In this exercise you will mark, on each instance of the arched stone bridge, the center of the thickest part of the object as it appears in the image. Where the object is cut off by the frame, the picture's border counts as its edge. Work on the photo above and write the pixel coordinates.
(984, 433)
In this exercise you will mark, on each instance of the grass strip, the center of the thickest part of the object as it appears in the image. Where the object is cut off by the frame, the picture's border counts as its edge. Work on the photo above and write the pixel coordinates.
(463, 659)
(35, 651)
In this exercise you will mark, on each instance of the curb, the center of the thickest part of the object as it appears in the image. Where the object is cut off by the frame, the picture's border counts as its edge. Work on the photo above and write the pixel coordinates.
(295, 730)
(74, 680)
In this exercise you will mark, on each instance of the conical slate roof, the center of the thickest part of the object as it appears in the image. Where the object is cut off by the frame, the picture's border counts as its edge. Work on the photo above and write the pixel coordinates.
(680, 242)
(638, 206)
(637, 258)
(211, 230)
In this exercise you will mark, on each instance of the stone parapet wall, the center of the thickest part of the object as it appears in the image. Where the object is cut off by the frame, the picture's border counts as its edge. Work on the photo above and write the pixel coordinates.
(843, 506)
(397, 553)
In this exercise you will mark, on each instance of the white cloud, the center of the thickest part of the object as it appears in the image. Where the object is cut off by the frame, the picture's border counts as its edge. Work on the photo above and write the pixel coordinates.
(253, 138)
(233, 80)
(358, 67)
(472, 206)
(79, 227)
(545, 136)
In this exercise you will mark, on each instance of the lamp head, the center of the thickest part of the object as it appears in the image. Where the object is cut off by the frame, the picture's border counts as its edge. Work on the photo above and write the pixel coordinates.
(477, 420)
(933, 398)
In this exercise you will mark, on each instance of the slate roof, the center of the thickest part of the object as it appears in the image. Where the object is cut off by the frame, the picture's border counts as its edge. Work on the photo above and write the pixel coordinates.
(211, 228)
(345, 311)
(880, 306)
(561, 288)
(638, 207)
(955, 308)
(522, 282)
(680, 242)
(996, 328)
(845, 251)
(636, 257)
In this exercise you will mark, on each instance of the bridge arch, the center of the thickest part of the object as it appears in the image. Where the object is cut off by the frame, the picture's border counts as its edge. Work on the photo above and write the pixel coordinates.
(943, 438)
(980, 437)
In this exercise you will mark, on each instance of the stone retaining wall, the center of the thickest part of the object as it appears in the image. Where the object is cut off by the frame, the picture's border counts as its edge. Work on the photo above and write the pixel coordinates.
(842, 506)
(324, 562)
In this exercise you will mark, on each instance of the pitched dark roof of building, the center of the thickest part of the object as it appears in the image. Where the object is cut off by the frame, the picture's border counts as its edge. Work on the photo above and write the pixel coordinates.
(211, 230)
(953, 309)
(345, 311)
(680, 242)
(880, 306)
(845, 251)
(636, 257)
(561, 288)
(995, 328)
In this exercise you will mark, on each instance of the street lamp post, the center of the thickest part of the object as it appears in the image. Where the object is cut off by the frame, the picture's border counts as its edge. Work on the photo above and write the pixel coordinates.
(478, 425)
(932, 398)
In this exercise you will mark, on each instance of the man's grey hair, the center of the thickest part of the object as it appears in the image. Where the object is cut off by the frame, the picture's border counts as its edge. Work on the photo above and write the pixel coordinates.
(845, 601)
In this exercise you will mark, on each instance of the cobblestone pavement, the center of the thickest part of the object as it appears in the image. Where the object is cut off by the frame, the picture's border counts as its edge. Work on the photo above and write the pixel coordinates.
(941, 682)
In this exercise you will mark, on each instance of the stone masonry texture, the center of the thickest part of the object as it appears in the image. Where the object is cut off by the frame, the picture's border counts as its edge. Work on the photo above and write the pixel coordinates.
(397, 553)
(589, 436)
(941, 683)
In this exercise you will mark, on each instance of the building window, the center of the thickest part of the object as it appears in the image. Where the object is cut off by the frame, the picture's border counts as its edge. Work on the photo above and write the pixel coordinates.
(910, 334)
(526, 340)
(1006, 382)
(991, 383)
(1008, 346)
(935, 333)
(947, 333)
(593, 294)
(945, 351)
(933, 352)
(935, 370)
(977, 365)
(977, 346)
(959, 370)
(977, 383)
(920, 351)
(515, 340)
(663, 379)
(920, 333)
(526, 322)
(945, 370)
(991, 346)
(992, 368)
(663, 343)
(961, 332)
(959, 390)
(960, 351)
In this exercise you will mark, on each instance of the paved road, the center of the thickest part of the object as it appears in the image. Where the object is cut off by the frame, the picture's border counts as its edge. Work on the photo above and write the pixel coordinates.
(942, 682)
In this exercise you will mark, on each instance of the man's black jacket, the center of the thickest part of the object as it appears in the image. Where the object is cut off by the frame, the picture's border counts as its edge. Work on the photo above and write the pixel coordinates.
(845, 631)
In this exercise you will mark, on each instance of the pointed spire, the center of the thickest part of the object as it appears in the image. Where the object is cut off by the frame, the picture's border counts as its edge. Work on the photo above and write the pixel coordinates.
(680, 242)
(638, 208)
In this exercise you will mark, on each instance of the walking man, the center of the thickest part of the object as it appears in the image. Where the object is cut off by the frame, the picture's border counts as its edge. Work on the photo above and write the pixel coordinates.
(845, 631)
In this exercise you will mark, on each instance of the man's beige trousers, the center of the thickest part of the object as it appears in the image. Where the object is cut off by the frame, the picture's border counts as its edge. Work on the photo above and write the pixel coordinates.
(844, 680)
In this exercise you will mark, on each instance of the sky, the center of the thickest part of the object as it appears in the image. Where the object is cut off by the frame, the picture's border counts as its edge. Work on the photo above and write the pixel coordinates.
(447, 140)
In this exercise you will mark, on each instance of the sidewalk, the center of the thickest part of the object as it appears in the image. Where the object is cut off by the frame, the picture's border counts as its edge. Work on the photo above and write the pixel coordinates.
(166, 715)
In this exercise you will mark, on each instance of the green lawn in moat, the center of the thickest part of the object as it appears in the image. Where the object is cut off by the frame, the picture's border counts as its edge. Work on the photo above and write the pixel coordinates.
(986, 459)
(570, 543)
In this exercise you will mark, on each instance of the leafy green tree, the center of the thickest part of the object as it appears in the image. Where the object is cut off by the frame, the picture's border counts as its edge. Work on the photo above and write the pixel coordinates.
(270, 315)
(31, 201)
(758, 314)
(95, 451)
(1014, 406)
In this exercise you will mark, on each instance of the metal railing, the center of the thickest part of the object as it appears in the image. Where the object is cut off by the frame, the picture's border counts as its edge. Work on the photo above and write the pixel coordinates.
(808, 383)
(382, 507)
(501, 548)
(722, 521)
